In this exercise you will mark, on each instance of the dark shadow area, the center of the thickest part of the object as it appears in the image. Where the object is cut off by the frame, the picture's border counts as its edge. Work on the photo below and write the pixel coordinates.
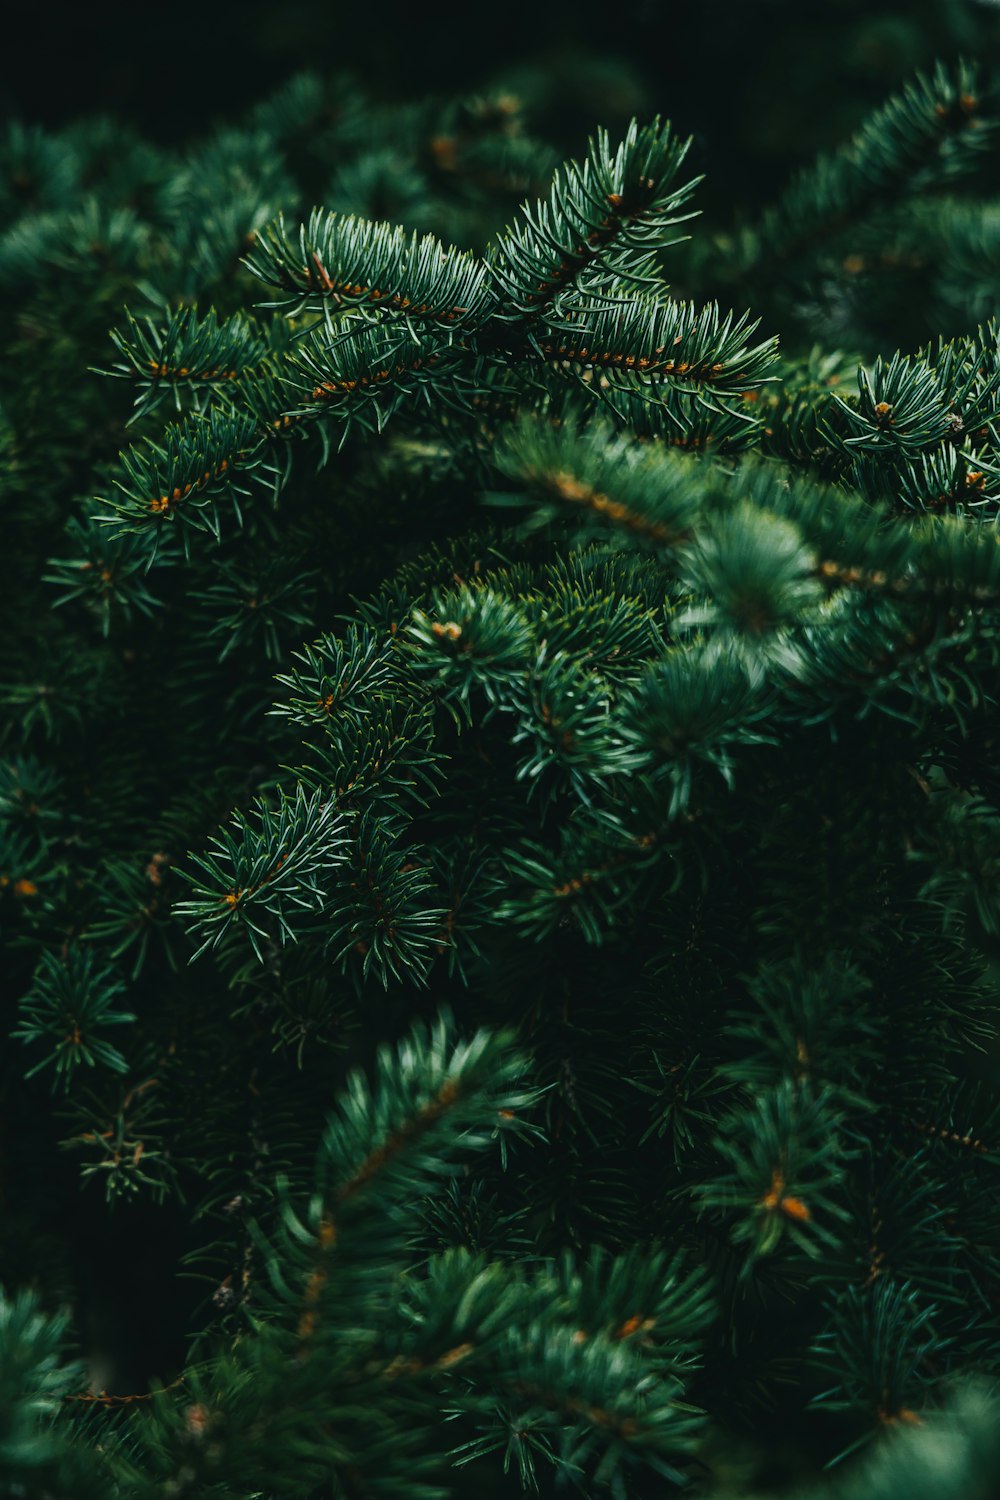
(762, 86)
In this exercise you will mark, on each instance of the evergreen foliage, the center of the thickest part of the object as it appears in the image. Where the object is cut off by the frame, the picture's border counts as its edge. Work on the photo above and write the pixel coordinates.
(499, 813)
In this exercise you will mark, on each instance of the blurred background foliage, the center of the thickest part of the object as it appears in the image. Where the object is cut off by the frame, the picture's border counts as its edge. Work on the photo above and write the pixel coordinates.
(762, 84)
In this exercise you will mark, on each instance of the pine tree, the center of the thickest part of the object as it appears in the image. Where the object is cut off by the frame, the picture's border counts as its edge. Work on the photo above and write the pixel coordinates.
(499, 813)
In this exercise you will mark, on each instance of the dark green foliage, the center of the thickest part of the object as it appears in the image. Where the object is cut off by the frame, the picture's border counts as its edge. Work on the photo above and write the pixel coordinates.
(67, 1007)
(920, 139)
(520, 756)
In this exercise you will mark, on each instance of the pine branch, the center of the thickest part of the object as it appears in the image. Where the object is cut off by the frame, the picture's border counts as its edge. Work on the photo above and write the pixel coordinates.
(884, 1344)
(36, 1378)
(608, 486)
(338, 261)
(365, 374)
(644, 343)
(786, 1171)
(183, 475)
(272, 870)
(602, 215)
(188, 351)
(67, 1007)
